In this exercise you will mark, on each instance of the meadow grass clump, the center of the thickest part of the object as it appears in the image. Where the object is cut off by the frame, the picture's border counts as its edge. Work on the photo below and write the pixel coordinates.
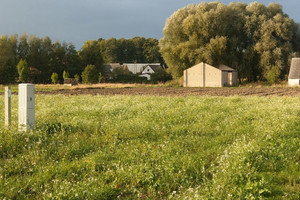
(129, 147)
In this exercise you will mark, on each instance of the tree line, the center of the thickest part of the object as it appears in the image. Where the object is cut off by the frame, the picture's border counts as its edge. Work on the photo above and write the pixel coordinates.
(33, 59)
(257, 40)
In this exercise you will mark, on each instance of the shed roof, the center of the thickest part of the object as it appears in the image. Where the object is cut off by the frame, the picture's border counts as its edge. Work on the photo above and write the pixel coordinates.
(295, 69)
(225, 68)
(220, 67)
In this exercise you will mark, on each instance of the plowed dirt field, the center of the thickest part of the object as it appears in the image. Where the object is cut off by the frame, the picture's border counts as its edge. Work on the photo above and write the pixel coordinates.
(177, 91)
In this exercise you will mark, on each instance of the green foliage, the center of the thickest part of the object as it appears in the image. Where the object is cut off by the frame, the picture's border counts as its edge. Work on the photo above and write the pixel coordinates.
(131, 147)
(137, 49)
(7, 59)
(90, 54)
(123, 75)
(261, 38)
(273, 75)
(23, 70)
(89, 74)
(160, 76)
(120, 71)
(66, 75)
(54, 78)
(43, 57)
(77, 77)
(100, 77)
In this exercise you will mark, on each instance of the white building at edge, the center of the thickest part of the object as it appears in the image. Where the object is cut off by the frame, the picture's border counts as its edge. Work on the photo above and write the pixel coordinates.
(294, 74)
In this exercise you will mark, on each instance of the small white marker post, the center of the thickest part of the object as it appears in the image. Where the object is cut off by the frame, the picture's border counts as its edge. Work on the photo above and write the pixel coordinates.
(7, 99)
(26, 106)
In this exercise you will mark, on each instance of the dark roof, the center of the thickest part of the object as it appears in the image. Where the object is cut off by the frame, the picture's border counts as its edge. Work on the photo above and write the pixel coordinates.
(295, 69)
(225, 68)
(154, 67)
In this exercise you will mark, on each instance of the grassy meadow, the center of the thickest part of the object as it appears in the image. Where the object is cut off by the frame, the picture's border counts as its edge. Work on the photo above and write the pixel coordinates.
(143, 147)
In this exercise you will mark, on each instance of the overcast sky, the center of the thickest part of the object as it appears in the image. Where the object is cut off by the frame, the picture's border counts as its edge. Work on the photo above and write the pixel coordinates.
(77, 21)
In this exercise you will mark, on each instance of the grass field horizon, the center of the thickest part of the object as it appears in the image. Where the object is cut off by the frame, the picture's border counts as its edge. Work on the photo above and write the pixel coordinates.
(137, 147)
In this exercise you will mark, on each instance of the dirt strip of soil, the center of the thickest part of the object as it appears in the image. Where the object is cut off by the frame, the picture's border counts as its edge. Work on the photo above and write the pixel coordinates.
(173, 91)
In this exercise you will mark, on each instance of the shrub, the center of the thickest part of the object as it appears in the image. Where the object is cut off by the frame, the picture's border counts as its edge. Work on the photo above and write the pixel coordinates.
(89, 74)
(77, 77)
(54, 78)
(160, 76)
(272, 75)
(66, 75)
(23, 70)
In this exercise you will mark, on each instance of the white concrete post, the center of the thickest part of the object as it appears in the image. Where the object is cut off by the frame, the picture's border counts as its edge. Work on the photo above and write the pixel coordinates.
(26, 106)
(7, 99)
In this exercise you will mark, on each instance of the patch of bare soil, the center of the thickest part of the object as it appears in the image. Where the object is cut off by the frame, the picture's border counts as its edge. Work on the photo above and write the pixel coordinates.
(173, 91)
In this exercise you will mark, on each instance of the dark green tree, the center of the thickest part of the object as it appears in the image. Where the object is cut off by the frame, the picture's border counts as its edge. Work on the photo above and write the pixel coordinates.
(54, 78)
(23, 70)
(90, 54)
(109, 50)
(66, 74)
(7, 60)
(137, 49)
(90, 74)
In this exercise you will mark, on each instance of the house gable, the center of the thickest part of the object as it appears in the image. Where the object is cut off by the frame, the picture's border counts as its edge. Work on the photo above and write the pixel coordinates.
(148, 70)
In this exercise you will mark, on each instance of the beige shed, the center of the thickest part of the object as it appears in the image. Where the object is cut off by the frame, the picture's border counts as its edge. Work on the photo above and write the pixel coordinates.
(205, 75)
(294, 75)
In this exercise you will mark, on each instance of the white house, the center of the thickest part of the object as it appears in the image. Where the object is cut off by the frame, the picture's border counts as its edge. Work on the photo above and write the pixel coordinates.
(294, 74)
(150, 69)
(136, 68)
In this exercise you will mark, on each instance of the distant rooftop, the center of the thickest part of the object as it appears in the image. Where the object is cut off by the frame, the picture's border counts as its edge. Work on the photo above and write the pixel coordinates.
(138, 67)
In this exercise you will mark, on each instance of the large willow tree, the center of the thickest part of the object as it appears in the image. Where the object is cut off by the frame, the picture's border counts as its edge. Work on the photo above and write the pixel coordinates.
(255, 39)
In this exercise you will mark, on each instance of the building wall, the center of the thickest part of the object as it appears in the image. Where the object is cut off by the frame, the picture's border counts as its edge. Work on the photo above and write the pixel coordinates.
(194, 76)
(234, 78)
(229, 78)
(148, 76)
(204, 75)
(225, 78)
(213, 76)
(294, 82)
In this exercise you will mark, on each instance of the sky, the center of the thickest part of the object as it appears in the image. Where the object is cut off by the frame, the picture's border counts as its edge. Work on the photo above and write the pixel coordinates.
(76, 21)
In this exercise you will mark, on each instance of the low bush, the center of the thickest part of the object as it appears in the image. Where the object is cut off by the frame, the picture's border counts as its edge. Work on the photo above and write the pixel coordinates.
(90, 74)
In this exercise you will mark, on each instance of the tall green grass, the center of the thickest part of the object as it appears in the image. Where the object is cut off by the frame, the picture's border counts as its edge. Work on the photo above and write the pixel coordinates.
(129, 147)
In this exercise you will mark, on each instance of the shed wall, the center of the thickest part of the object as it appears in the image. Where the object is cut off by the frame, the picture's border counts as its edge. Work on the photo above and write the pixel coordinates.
(234, 78)
(294, 82)
(194, 76)
(213, 76)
